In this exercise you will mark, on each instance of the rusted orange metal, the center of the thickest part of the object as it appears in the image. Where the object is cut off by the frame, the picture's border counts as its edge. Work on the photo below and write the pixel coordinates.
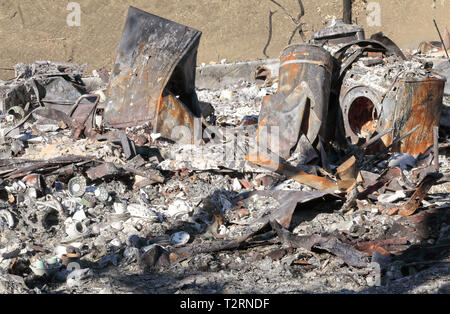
(274, 163)
(299, 107)
(379, 246)
(301, 104)
(368, 108)
(153, 80)
(419, 104)
(83, 114)
(419, 195)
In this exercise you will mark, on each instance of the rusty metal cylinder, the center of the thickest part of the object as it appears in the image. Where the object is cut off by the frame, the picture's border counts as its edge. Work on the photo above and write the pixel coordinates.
(301, 103)
(305, 83)
(418, 103)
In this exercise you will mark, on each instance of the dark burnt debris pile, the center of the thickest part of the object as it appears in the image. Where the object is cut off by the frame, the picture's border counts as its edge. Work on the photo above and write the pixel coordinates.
(325, 170)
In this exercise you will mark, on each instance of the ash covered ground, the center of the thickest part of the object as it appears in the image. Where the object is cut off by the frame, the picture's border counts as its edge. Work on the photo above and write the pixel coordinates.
(125, 243)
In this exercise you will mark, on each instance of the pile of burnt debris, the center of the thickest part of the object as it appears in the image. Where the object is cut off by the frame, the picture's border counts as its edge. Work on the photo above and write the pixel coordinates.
(344, 161)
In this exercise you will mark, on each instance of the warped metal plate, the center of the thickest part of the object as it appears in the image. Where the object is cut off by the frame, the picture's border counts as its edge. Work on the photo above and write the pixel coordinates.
(154, 56)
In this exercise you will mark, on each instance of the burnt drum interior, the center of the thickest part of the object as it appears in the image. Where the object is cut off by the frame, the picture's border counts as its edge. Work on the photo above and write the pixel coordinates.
(362, 111)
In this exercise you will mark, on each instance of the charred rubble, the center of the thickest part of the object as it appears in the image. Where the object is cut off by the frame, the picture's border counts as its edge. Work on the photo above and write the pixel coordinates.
(319, 165)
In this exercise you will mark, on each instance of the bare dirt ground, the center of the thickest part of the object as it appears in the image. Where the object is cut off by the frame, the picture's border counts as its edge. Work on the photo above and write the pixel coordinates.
(33, 30)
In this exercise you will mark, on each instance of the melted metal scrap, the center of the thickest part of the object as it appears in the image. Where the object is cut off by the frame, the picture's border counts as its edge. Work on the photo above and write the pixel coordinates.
(347, 253)
(153, 79)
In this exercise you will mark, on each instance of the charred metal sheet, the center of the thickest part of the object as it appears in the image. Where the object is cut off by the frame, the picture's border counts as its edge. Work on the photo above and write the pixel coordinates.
(102, 171)
(338, 32)
(368, 44)
(380, 37)
(55, 115)
(80, 117)
(10, 169)
(289, 200)
(110, 169)
(347, 253)
(63, 90)
(155, 58)
(14, 95)
(128, 146)
(179, 254)
(301, 104)
(46, 85)
(374, 100)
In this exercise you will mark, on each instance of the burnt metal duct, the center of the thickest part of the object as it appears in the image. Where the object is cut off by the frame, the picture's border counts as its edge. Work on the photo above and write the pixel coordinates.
(153, 80)
(301, 104)
(396, 94)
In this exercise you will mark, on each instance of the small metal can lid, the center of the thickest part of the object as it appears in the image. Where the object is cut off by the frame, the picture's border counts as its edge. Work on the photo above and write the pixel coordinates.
(77, 186)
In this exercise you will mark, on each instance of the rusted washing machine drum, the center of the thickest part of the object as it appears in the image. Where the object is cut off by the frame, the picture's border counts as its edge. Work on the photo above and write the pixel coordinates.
(401, 95)
(301, 104)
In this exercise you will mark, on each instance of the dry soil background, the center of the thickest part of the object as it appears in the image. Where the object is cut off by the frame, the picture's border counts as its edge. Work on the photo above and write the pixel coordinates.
(233, 29)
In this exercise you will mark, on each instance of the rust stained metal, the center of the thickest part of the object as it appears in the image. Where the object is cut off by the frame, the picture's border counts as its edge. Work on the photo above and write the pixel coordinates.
(106, 169)
(289, 200)
(419, 195)
(176, 122)
(348, 170)
(348, 174)
(301, 104)
(80, 117)
(420, 103)
(401, 106)
(155, 58)
(299, 107)
(380, 246)
(275, 163)
(83, 116)
(383, 180)
(35, 181)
